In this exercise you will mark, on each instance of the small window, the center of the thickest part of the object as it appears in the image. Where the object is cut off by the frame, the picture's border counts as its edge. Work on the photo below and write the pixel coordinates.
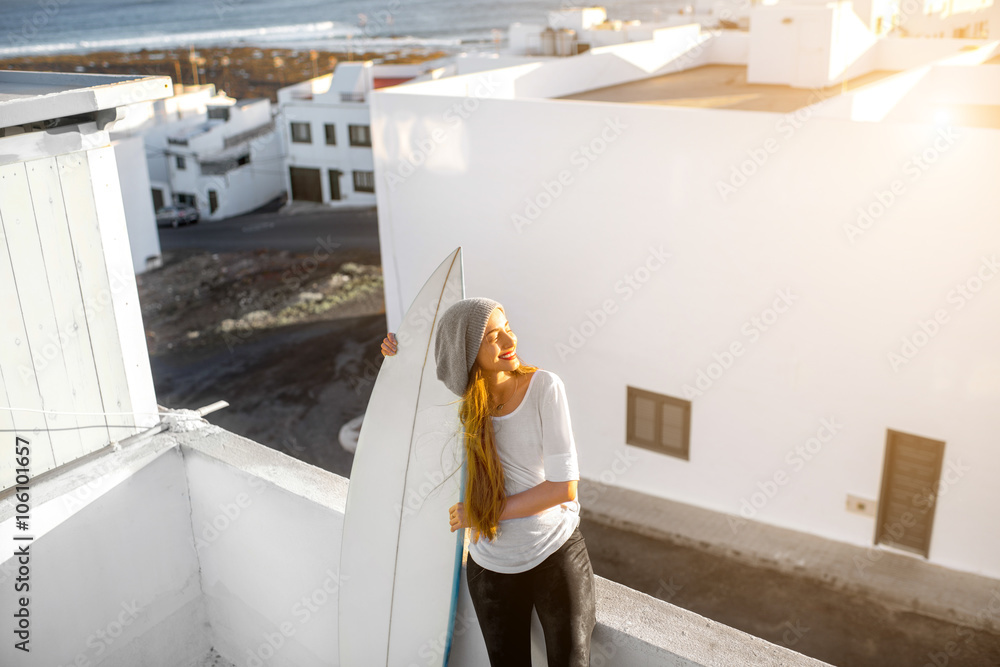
(245, 159)
(364, 181)
(331, 134)
(219, 112)
(301, 133)
(213, 201)
(181, 162)
(658, 422)
(360, 135)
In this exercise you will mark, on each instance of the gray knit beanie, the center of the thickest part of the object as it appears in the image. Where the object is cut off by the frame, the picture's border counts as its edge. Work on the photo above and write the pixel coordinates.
(459, 335)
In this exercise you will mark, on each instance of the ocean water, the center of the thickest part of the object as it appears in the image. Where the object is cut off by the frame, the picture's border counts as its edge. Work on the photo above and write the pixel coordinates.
(30, 27)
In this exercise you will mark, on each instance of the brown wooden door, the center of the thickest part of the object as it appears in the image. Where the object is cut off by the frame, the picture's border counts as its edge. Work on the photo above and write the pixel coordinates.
(910, 477)
(306, 184)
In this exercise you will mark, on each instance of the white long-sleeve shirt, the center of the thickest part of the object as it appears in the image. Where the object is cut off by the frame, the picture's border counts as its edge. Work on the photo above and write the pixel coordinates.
(535, 443)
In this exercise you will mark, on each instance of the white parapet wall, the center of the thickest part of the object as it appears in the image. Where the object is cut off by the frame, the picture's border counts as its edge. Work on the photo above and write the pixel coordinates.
(197, 540)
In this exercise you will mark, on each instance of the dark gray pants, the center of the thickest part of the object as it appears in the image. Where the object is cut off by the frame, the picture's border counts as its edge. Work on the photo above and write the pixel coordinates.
(561, 589)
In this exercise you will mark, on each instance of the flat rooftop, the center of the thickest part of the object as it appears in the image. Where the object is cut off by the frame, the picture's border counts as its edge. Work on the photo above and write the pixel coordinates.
(720, 87)
(27, 97)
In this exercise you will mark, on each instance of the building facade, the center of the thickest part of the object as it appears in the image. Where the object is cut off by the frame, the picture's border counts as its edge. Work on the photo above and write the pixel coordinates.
(779, 311)
(326, 128)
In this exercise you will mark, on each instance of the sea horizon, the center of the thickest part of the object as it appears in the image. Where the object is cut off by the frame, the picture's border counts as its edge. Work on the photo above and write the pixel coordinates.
(50, 27)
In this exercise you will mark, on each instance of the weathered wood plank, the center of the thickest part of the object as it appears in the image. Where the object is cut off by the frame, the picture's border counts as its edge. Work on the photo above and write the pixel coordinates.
(74, 335)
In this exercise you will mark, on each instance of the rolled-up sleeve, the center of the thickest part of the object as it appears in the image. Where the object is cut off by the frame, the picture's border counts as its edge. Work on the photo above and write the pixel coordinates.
(558, 446)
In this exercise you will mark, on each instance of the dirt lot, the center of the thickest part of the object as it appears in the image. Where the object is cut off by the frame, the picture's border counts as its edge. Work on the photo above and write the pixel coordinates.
(290, 340)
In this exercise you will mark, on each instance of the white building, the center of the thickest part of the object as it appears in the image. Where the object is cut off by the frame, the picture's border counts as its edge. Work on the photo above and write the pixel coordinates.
(971, 19)
(228, 163)
(140, 141)
(144, 536)
(573, 30)
(773, 302)
(155, 120)
(325, 125)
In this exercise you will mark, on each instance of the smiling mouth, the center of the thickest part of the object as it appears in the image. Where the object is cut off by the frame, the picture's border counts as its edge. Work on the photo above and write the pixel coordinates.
(507, 357)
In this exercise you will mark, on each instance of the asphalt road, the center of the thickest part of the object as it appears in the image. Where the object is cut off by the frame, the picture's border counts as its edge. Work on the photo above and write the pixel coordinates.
(298, 232)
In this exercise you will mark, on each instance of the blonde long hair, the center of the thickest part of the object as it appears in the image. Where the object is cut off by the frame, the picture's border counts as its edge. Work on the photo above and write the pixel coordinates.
(485, 497)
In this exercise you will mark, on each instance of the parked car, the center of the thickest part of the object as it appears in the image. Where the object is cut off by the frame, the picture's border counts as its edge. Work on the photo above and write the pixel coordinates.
(174, 216)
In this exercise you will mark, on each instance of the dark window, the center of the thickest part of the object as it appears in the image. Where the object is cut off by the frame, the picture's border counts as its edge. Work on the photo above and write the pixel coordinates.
(187, 199)
(301, 133)
(910, 480)
(220, 112)
(331, 134)
(360, 135)
(364, 181)
(213, 201)
(157, 199)
(245, 159)
(181, 162)
(658, 422)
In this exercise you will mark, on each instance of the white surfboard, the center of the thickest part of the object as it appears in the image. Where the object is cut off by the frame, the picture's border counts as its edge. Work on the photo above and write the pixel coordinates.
(400, 563)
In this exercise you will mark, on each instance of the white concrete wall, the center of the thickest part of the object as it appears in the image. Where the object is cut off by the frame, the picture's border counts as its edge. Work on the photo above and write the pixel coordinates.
(133, 173)
(73, 339)
(269, 559)
(197, 538)
(114, 573)
(556, 237)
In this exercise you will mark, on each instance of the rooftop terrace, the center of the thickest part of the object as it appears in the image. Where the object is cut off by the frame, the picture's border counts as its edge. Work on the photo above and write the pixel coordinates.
(720, 87)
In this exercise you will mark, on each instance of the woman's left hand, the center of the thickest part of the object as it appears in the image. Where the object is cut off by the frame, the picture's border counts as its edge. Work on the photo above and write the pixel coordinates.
(456, 517)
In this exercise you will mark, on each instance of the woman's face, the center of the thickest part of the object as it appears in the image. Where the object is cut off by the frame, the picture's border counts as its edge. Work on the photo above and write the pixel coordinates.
(498, 343)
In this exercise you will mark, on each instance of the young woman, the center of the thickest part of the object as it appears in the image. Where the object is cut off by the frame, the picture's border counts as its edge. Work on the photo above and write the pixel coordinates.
(526, 549)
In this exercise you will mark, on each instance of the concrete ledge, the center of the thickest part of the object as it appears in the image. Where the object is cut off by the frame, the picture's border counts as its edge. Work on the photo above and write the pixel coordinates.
(637, 629)
(905, 582)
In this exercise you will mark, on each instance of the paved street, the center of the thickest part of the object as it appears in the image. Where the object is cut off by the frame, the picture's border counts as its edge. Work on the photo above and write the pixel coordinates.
(351, 228)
